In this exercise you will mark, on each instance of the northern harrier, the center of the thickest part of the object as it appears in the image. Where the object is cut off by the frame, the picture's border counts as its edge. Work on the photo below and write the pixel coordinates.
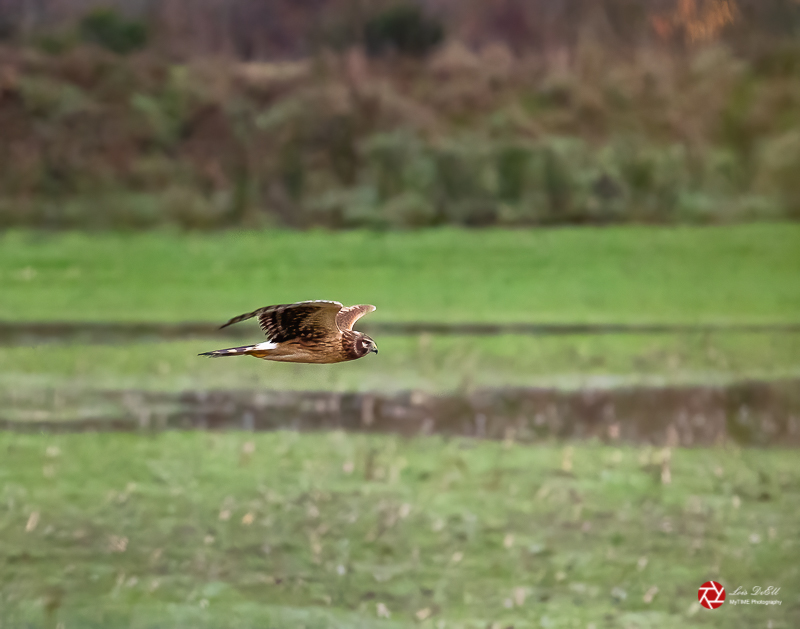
(306, 332)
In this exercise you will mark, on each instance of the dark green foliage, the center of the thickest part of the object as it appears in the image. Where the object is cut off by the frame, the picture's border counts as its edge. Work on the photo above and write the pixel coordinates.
(556, 182)
(512, 162)
(107, 28)
(403, 29)
(292, 171)
(56, 43)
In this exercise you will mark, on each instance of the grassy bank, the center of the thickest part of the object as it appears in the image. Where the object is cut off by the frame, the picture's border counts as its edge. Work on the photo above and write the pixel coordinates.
(743, 274)
(335, 530)
(425, 363)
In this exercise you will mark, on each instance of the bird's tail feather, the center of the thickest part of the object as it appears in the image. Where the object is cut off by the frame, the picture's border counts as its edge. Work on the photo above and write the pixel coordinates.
(232, 351)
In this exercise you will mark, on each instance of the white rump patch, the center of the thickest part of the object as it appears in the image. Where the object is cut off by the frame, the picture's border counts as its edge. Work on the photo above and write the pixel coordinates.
(266, 345)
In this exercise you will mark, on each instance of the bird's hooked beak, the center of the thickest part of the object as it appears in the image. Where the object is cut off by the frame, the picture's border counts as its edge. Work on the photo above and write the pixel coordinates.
(374, 349)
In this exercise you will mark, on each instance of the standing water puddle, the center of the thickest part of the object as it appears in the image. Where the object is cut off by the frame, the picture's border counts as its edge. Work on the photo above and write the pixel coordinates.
(748, 413)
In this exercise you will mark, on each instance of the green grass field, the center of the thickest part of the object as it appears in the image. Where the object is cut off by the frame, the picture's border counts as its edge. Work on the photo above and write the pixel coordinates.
(745, 273)
(336, 530)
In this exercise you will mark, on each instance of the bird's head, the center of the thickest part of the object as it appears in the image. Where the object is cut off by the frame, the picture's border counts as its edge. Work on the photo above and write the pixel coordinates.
(365, 345)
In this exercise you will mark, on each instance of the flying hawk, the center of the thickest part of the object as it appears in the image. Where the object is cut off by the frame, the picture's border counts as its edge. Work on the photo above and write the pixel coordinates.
(306, 332)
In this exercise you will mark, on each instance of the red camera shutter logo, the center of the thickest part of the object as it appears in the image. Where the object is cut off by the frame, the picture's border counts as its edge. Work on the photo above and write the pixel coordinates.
(711, 595)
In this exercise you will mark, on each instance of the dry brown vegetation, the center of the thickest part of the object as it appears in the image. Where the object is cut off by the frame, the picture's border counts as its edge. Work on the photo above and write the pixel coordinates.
(669, 115)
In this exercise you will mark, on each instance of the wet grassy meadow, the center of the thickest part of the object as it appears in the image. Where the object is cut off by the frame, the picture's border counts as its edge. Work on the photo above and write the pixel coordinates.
(367, 524)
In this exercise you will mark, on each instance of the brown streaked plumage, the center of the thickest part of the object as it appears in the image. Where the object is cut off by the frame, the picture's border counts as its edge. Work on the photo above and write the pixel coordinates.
(306, 332)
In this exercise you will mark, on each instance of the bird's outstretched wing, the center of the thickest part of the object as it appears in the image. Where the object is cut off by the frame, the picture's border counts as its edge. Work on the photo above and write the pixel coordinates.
(303, 320)
(348, 316)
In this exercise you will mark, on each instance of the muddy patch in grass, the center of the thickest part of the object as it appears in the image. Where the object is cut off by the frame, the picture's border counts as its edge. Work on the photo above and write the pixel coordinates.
(14, 333)
(747, 413)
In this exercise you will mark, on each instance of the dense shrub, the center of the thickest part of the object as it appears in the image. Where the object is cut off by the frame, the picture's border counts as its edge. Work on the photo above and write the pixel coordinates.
(402, 29)
(109, 29)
